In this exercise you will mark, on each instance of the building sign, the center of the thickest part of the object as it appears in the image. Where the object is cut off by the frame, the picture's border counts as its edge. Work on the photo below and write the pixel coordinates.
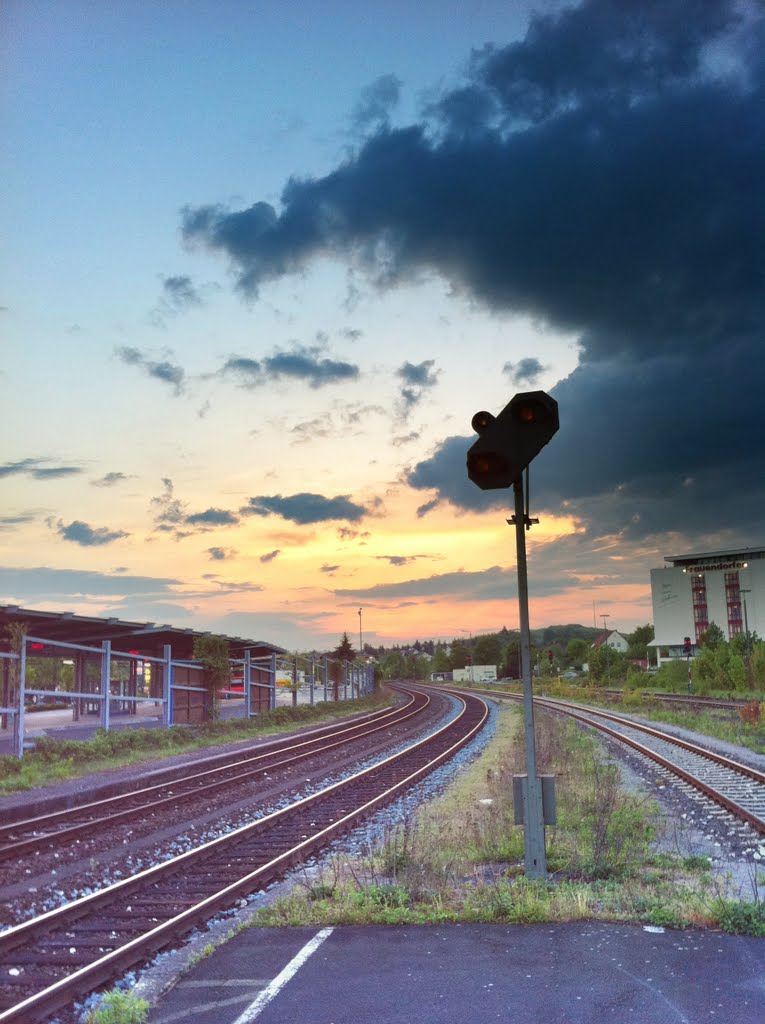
(715, 567)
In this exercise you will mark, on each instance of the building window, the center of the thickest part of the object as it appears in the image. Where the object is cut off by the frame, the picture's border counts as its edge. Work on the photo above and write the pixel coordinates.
(700, 611)
(733, 603)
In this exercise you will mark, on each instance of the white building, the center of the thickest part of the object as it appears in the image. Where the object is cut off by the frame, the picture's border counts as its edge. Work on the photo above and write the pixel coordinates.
(613, 639)
(692, 591)
(475, 674)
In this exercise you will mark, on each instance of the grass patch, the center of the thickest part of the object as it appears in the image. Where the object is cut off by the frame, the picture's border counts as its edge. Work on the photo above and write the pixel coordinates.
(119, 1007)
(460, 857)
(53, 760)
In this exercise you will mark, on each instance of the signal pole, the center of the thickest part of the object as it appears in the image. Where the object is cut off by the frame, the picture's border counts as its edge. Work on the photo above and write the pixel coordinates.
(534, 829)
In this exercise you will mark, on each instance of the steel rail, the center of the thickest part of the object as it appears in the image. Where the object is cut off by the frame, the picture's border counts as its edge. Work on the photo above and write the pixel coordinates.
(468, 722)
(586, 716)
(146, 797)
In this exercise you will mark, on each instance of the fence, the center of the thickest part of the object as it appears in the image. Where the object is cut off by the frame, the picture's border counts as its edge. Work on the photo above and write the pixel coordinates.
(108, 682)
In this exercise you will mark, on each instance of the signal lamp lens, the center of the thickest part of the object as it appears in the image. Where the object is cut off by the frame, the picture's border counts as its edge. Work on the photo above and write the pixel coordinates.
(481, 421)
(487, 463)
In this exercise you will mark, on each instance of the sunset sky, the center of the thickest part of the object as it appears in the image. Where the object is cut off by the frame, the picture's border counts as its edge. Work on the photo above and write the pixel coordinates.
(261, 263)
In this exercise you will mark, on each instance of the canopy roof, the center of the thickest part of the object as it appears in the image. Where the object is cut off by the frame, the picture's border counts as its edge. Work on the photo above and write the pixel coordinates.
(146, 638)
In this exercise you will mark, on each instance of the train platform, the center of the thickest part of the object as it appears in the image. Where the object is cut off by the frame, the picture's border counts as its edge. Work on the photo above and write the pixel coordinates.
(572, 973)
(61, 724)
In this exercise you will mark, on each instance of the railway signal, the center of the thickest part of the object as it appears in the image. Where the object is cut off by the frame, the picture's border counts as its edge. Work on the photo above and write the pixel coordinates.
(506, 444)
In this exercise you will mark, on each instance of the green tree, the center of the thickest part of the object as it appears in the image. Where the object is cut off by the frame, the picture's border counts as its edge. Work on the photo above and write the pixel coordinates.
(440, 661)
(511, 660)
(577, 652)
(344, 650)
(392, 665)
(487, 649)
(458, 654)
(712, 636)
(212, 651)
(638, 641)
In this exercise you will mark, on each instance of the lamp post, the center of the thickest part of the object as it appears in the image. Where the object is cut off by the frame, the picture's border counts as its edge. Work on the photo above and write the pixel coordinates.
(361, 643)
(746, 622)
(470, 634)
(605, 645)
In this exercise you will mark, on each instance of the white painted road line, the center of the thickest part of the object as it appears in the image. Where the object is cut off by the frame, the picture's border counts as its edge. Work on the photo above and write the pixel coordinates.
(281, 979)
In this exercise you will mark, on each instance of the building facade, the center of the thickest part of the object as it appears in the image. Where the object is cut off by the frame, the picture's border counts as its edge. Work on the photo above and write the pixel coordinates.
(693, 591)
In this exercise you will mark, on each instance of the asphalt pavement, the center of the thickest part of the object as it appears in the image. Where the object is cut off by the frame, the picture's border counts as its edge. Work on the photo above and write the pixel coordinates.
(574, 973)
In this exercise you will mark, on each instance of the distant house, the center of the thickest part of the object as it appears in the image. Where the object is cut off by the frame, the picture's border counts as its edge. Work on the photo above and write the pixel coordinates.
(612, 639)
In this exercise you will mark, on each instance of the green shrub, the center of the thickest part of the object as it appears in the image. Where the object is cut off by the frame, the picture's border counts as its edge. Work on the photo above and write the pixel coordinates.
(119, 1008)
(740, 918)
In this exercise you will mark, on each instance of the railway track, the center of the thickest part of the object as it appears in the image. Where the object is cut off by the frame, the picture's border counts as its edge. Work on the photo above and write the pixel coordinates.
(25, 835)
(48, 961)
(737, 787)
(714, 703)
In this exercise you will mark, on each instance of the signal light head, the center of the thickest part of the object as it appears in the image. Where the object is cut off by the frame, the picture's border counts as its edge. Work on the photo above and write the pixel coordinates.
(508, 442)
(481, 421)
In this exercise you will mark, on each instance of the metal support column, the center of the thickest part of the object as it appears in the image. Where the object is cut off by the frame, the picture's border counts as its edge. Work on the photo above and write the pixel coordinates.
(21, 697)
(247, 683)
(106, 679)
(324, 675)
(272, 691)
(167, 685)
(311, 680)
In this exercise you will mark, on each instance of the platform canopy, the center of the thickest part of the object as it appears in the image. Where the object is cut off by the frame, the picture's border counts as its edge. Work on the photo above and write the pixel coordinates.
(146, 638)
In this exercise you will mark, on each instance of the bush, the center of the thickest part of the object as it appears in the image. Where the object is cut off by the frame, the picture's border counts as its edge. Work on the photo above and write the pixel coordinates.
(750, 712)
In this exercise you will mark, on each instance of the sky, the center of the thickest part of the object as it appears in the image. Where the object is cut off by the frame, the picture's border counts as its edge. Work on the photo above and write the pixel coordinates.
(262, 262)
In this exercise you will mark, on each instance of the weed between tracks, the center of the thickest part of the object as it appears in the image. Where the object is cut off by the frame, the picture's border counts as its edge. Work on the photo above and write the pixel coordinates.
(460, 857)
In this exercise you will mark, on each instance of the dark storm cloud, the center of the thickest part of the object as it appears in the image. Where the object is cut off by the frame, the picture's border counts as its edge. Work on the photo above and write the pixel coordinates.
(525, 371)
(38, 470)
(664, 468)
(162, 370)
(88, 536)
(299, 364)
(305, 508)
(603, 175)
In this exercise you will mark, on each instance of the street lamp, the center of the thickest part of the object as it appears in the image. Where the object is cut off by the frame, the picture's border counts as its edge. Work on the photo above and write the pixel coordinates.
(605, 644)
(470, 634)
(746, 621)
